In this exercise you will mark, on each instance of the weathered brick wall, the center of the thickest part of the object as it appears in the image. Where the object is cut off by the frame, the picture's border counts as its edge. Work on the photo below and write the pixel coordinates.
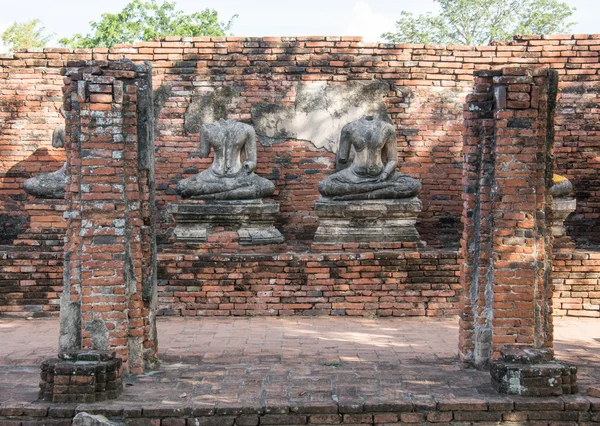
(444, 410)
(30, 99)
(31, 283)
(31, 271)
(428, 85)
(377, 284)
(576, 278)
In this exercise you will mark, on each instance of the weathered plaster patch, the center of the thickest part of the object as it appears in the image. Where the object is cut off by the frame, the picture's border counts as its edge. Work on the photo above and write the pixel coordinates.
(98, 333)
(514, 382)
(320, 112)
(159, 98)
(70, 312)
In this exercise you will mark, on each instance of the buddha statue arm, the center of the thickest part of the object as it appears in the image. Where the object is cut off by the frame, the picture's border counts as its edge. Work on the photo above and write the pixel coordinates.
(343, 153)
(389, 156)
(58, 137)
(250, 150)
(204, 143)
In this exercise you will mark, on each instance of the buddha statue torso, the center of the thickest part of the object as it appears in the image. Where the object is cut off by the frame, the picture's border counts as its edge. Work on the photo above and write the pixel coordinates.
(371, 173)
(368, 145)
(231, 174)
(227, 144)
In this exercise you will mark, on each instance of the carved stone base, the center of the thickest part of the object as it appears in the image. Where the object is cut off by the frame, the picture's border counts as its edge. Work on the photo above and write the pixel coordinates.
(368, 221)
(253, 220)
(561, 209)
(532, 372)
(81, 376)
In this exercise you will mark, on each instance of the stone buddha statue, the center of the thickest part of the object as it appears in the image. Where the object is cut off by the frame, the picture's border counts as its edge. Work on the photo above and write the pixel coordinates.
(53, 184)
(231, 193)
(371, 172)
(231, 174)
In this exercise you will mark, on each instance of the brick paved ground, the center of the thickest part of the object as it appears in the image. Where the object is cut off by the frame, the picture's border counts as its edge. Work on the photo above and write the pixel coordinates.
(282, 361)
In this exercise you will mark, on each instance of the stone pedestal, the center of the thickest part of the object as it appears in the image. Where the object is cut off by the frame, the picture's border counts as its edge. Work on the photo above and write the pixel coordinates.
(81, 376)
(253, 220)
(561, 209)
(532, 372)
(368, 221)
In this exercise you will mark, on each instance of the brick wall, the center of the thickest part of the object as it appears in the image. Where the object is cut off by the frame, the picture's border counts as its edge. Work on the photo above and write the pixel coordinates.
(443, 410)
(377, 284)
(31, 283)
(30, 99)
(576, 278)
(31, 271)
(428, 85)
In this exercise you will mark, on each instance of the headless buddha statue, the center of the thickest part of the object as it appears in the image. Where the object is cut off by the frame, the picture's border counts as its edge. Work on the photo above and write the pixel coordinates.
(372, 173)
(53, 184)
(231, 174)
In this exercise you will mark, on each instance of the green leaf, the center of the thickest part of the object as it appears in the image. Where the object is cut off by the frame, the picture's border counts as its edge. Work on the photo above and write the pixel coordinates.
(146, 20)
(479, 22)
(22, 35)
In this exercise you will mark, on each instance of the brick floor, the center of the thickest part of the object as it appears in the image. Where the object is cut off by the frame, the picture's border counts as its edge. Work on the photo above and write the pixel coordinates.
(270, 362)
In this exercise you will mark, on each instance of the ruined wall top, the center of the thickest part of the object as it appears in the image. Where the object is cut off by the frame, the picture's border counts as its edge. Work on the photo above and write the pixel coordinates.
(298, 41)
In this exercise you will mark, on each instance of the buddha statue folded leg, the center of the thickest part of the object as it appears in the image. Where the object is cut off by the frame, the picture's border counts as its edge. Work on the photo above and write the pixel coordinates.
(344, 185)
(47, 185)
(253, 187)
(209, 186)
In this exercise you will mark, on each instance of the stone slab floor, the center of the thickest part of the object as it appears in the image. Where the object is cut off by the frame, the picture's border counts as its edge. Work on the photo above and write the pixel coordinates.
(287, 361)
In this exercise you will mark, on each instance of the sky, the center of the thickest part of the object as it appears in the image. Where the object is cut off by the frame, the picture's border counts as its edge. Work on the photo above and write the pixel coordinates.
(367, 18)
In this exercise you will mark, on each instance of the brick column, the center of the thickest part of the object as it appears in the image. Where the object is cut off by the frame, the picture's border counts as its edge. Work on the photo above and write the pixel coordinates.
(110, 252)
(506, 308)
(506, 245)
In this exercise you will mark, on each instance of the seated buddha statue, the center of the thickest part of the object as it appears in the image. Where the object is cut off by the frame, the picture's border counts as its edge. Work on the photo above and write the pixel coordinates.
(370, 174)
(231, 174)
(53, 184)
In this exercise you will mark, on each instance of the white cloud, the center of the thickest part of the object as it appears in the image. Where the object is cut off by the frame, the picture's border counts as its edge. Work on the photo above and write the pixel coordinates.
(364, 22)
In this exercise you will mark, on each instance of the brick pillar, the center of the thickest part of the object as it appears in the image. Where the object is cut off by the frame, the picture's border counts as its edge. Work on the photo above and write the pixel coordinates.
(109, 293)
(506, 245)
(506, 308)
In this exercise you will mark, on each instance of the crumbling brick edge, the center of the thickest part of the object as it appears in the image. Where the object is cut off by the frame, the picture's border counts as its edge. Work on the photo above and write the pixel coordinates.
(520, 410)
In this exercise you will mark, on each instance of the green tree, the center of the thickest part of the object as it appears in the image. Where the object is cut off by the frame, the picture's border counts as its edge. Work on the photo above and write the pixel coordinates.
(145, 20)
(479, 22)
(21, 35)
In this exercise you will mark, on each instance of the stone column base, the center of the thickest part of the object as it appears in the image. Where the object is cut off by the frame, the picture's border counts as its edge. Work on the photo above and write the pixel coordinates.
(368, 221)
(532, 372)
(252, 220)
(561, 209)
(81, 376)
